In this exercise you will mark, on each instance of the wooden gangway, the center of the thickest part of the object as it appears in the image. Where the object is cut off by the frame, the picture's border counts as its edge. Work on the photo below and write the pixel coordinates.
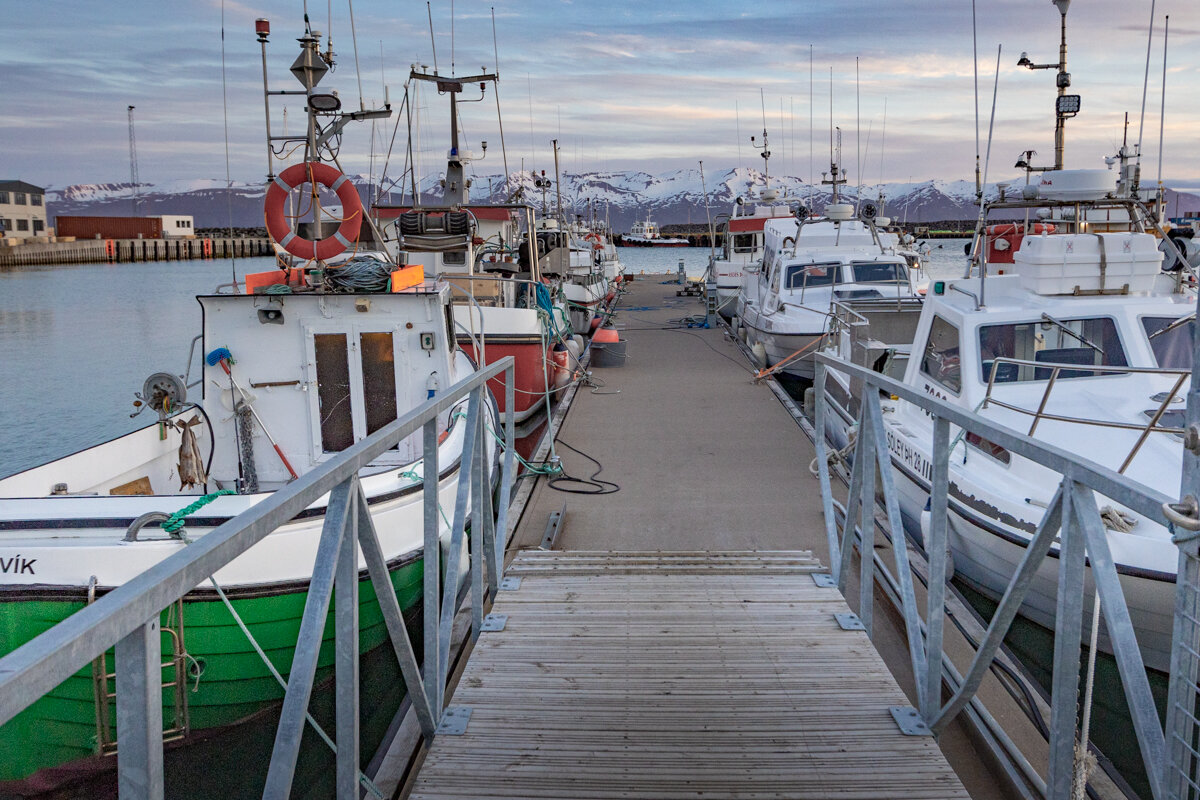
(676, 675)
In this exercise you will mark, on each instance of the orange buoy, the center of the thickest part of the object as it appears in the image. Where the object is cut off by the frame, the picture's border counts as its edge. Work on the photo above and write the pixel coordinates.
(595, 323)
(280, 228)
(606, 334)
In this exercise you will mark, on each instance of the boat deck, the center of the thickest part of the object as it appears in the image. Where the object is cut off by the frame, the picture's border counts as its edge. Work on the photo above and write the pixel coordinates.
(677, 675)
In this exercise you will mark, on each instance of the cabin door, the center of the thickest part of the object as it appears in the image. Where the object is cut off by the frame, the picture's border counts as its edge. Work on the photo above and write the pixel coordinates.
(361, 378)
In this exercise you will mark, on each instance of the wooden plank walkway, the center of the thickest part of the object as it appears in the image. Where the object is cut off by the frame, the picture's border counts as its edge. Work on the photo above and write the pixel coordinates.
(677, 675)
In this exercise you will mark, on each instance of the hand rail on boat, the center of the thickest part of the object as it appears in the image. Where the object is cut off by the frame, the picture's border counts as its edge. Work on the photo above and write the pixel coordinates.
(1040, 414)
(128, 616)
(1073, 523)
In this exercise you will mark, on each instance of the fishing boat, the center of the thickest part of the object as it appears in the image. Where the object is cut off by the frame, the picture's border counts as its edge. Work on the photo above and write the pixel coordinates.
(810, 263)
(504, 303)
(742, 231)
(1075, 325)
(645, 233)
(303, 364)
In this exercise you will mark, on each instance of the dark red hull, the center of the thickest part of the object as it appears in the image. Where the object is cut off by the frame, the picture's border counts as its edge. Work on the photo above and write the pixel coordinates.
(531, 373)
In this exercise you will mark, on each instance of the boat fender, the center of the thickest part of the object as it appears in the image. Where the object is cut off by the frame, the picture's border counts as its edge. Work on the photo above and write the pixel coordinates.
(760, 354)
(280, 228)
(560, 358)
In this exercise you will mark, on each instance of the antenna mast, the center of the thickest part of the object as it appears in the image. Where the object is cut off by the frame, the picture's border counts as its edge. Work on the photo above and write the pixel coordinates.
(133, 169)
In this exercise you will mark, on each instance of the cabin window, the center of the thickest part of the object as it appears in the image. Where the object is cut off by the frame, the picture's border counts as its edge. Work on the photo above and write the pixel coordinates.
(746, 242)
(1085, 342)
(379, 379)
(1172, 348)
(941, 359)
(333, 391)
(454, 257)
(801, 276)
(879, 272)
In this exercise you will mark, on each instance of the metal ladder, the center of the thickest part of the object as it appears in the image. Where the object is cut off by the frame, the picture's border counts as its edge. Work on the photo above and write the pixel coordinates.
(177, 725)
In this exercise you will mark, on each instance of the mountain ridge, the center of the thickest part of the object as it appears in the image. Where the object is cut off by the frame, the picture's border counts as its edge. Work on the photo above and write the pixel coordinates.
(676, 196)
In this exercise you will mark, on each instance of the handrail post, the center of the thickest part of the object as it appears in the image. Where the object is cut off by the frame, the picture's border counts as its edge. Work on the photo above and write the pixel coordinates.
(1068, 624)
(866, 540)
(139, 713)
(454, 553)
(820, 416)
(935, 547)
(431, 571)
(475, 442)
(346, 667)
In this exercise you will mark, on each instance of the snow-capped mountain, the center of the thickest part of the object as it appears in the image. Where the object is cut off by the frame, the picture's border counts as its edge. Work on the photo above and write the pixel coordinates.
(670, 197)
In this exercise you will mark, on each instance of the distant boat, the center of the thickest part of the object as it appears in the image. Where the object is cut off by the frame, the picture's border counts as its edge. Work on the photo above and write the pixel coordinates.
(645, 234)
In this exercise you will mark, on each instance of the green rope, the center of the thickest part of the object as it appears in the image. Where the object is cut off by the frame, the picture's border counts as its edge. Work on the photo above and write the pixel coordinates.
(545, 469)
(174, 523)
(412, 475)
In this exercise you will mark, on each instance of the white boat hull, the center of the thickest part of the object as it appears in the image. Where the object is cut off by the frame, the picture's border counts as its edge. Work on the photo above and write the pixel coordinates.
(986, 552)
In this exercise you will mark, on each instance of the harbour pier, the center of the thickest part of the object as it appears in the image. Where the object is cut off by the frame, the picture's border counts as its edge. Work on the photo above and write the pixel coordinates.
(89, 251)
(672, 641)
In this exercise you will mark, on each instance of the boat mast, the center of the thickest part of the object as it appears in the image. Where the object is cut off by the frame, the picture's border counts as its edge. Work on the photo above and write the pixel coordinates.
(1066, 105)
(456, 190)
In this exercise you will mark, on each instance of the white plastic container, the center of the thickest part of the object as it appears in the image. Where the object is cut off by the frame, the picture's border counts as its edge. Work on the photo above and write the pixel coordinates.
(1071, 263)
(1076, 184)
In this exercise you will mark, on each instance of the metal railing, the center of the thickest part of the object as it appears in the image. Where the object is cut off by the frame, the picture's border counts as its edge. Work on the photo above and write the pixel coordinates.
(128, 616)
(1180, 375)
(1072, 520)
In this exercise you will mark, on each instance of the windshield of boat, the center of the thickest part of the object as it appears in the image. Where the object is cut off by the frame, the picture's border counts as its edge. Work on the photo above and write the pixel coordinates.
(879, 272)
(746, 242)
(1086, 342)
(801, 276)
(1171, 342)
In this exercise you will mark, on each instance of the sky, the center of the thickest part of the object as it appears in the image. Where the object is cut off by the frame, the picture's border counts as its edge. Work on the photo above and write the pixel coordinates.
(621, 85)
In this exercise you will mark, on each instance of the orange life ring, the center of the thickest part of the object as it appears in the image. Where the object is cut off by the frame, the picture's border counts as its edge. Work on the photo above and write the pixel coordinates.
(280, 228)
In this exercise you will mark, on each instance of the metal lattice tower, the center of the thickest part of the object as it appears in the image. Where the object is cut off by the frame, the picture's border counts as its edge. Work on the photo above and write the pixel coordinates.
(133, 168)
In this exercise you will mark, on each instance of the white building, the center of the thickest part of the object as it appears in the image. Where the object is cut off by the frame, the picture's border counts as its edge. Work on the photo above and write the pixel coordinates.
(174, 225)
(22, 210)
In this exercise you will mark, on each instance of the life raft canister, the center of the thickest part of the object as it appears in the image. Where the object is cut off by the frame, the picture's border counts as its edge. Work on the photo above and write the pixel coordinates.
(280, 228)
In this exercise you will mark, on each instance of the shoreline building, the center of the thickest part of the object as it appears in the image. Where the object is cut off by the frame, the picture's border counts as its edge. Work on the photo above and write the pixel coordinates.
(22, 210)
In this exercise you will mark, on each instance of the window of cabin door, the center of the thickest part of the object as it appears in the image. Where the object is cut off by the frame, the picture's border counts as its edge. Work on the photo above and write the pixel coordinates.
(358, 387)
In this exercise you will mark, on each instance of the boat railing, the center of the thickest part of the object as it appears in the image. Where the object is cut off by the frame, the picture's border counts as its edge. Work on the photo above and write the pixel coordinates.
(1072, 522)
(1056, 370)
(128, 616)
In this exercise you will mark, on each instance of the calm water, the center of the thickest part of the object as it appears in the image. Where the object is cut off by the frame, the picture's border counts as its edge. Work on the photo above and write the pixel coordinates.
(77, 341)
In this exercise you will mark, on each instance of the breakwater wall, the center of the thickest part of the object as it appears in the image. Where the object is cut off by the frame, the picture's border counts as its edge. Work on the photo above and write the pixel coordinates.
(83, 251)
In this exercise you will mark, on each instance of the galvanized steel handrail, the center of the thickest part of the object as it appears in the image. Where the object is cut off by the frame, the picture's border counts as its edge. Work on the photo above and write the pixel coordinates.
(128, 616)
(1083, 541)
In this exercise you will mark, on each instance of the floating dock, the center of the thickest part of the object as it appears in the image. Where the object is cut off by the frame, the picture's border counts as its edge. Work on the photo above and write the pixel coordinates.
(673, 675)
(669, 639)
